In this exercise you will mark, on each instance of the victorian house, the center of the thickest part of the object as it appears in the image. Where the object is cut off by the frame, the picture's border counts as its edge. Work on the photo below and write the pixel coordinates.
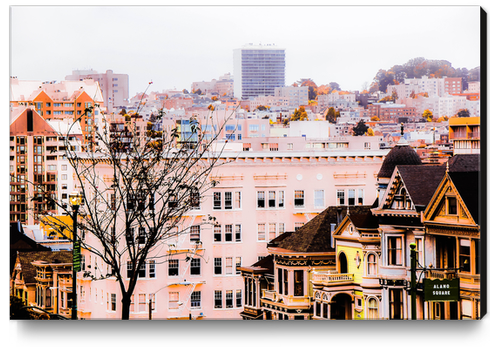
(288, 283)
(353, 290)
(452, 225)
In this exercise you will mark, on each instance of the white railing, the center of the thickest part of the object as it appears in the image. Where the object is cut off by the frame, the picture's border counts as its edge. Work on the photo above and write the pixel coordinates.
(331, 278)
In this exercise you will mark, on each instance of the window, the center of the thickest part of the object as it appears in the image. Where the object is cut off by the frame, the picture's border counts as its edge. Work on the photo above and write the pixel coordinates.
(396, 304)
(238, 200)
(371, 265)
(340, 197)
(452, 207)
(196, 299)
(217, 233)
(173, 300)
(272, 199)
(298, 225)
(298, 283)
(352, 197)
(261, 199)
(261, 232)
(372, 304)
(196, 266)
(238, 263)
(129, 269)
(228, 232)
(229, 298)
(299, 198)
(218, 299)
(228, 201)
(280, 199)
(360, 196)
(394, 250)
(272, 231)
(113, 302)
(229, 265)
(141, 302)
(238, 232)
(173, 267)
(142, 270)
(195, 233)
(238, 295)
(217, 201)
(319, 199)
(464, 255)
(151, 269)
(218, 265)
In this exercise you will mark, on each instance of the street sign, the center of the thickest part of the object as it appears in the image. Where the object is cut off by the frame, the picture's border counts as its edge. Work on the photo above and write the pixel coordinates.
(77, 256)
(441, 290)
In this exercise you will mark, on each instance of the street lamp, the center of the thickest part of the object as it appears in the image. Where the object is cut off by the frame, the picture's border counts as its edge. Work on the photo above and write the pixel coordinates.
(75, 201)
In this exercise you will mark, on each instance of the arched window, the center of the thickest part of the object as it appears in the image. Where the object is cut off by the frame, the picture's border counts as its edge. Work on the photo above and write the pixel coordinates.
(372, 308)
(343, 263)
(371, 265)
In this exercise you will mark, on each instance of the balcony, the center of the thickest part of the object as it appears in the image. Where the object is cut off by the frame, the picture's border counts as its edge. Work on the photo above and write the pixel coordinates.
(269, 295)
(442, 274)
(330, 279)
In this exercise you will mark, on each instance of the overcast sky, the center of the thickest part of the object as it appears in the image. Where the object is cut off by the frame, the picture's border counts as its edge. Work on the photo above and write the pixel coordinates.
(175, 46)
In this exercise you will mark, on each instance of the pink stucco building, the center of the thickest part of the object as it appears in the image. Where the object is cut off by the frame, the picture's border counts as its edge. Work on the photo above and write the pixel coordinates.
(261, 194)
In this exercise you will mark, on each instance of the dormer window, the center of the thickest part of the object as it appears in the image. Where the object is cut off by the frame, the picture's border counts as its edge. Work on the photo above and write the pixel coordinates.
(452, 206)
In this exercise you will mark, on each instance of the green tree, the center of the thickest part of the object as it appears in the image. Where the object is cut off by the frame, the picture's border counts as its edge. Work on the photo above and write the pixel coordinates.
(463, 113)
(360, 129)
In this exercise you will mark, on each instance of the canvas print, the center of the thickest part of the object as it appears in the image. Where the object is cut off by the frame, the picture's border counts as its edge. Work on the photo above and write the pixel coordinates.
(226, 163)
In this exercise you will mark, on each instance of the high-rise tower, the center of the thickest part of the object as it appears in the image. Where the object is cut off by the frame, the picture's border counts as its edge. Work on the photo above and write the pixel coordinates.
(258, 69)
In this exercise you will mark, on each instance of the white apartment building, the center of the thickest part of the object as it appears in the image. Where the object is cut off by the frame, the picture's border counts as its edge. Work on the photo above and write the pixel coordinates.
(258, 69)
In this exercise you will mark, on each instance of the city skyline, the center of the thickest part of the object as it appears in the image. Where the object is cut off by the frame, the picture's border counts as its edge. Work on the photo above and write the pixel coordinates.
(348, 45)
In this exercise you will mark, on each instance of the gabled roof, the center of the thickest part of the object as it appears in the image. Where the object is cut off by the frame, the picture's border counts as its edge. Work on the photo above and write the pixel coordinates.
(421, 181)
(26, 258)
(315, 235)
(468, 186)
(19, 241)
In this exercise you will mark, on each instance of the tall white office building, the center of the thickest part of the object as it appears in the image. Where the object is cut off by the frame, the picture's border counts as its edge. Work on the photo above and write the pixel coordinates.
(258, 69)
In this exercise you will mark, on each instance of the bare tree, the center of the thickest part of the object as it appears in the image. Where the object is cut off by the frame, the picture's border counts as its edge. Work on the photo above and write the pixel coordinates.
(137, 184)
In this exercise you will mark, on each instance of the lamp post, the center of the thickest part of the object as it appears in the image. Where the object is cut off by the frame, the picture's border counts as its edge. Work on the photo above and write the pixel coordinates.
(413, 280)
(75, 201)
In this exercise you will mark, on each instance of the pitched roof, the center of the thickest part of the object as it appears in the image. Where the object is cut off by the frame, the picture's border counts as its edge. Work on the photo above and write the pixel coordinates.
(364, 220)
(468, 186)
(464, 163)
(315, 235)
(19, 241)
(421, 181)
(29, 270)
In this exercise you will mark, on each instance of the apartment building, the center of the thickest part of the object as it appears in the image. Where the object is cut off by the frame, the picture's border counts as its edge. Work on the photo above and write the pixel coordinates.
(39, 172)
(114, 87)
(258, 70)
(261, 194)
(62, 100)
(464, 133)
(391, 112)
(222, 86)
(297, 96)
